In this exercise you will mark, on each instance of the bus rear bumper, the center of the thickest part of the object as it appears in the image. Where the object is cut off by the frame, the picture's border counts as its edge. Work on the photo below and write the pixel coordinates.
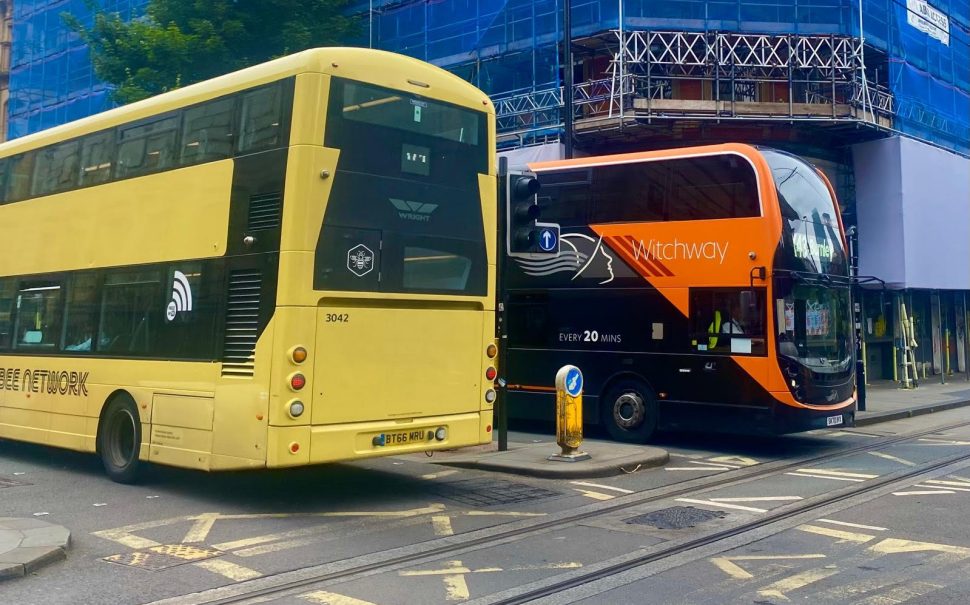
(336, 442)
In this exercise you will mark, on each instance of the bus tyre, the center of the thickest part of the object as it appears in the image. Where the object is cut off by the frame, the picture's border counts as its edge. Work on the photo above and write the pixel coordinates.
(119, 440)
(630, 412)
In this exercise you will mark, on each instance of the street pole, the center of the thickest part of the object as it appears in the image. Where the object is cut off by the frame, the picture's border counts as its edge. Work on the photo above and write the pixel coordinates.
(501, 398)
(567, 93)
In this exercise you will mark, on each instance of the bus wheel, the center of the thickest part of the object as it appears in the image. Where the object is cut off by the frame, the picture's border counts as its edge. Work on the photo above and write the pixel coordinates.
(119, 440)
(630, 412)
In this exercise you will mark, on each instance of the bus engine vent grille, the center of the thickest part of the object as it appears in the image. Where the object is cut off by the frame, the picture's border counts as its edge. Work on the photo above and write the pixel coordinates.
(242, 323)
(264, 211)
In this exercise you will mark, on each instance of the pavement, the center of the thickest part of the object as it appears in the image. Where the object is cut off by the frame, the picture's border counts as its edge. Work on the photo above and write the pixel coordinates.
(28, 544)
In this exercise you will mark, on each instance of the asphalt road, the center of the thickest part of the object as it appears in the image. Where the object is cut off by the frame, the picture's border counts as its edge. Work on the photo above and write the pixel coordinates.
(186, 533)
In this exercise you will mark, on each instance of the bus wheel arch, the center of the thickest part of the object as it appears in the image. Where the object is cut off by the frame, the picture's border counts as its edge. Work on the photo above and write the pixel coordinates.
(628, 409)
(119, 438)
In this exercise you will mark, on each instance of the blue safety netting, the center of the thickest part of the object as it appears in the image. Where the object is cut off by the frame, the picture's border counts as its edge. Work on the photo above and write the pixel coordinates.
(512, 46)
(52, 80)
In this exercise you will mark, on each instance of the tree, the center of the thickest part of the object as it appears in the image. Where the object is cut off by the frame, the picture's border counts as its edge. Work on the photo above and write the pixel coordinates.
(179, 42)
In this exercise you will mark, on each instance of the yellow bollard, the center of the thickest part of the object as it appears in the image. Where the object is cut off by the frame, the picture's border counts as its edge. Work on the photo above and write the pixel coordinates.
(569, 415)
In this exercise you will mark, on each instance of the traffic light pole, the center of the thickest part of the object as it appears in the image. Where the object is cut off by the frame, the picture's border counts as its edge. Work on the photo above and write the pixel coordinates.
(501, 402)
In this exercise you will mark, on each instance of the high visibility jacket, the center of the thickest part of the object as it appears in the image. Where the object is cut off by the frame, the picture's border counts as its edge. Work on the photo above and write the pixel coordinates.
(713, 330)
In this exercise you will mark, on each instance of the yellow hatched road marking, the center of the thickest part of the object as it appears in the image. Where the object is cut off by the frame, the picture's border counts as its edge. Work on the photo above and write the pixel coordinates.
(125, 535)
(799, 580)
(442, 525)
(727, 565)
(234, 572)
(265, 549)
(594, 495)
(453, 575)
(894, 546)
(203, 525)
(901, 594)
(738, 460)
(606, 487)
(932, 441)
(696, 468)
(841, 536)
(431, 476)
(964, 484)
(322, 597)
(924, 492)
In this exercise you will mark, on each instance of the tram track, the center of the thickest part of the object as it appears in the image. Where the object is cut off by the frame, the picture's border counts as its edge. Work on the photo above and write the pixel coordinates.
(283, 583)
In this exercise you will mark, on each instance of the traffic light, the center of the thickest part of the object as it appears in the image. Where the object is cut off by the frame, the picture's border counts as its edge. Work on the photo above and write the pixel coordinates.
(526, 235)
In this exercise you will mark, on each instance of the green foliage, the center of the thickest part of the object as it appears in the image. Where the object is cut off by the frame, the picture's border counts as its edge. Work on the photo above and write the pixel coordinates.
(179, 42)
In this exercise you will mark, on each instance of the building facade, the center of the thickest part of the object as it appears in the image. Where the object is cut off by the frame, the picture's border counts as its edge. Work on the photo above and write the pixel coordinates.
(875, 92)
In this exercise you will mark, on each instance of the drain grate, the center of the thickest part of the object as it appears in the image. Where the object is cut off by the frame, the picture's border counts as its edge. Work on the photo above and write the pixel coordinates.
(488, 492)
(8, 482)
(676, 517)
(162, 557)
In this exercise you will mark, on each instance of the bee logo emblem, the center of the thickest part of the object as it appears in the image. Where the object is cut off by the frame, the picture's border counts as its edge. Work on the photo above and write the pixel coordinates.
(360, 260)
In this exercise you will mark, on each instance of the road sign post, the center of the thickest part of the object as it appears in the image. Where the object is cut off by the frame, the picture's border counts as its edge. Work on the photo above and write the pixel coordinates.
(569, 415)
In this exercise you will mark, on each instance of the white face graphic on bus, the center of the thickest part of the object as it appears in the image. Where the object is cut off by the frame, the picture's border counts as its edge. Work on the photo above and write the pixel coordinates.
(579, 254)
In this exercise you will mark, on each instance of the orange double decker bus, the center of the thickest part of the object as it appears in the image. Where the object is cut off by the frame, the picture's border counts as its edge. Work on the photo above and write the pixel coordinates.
(698, 288)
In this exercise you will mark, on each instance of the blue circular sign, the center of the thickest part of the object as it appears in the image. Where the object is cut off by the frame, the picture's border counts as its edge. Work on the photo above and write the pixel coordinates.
(548, 240)
(574, 382)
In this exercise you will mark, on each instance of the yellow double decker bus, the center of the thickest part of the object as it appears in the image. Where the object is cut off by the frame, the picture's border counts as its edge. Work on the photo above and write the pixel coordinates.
(287, 265)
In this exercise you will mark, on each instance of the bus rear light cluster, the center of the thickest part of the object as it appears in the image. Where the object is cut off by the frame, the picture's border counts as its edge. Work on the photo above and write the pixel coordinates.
(297, 381)
(295, 408)
(298, 354)
(491, 373)
(490, 396)
(491, 351)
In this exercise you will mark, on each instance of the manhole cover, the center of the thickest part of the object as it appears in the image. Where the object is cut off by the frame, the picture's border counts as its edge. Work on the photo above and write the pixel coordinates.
(163, 557)
(478, 492)
(8, 482)
(676, 517)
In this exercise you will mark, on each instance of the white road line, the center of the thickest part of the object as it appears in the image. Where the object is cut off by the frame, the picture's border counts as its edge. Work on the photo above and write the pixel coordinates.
(856, 525)
(234, 572)
(825, 477)
(430, 476)
(758, 499)
(607, 487)
(931, 441)
(722, 505)
(696, 468)
(924, 493)
(892, 458)
(713, 464)
(822, 471)
(949, 483)
(679, 455)
(956, 489)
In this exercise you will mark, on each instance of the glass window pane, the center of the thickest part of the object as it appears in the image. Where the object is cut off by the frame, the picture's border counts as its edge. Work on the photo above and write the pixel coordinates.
(97, 157)
(82, 313)
(56, 168)
(207, 132)
(39, 312)
(147, 148)
(728, 321)
(21, 171)
(261, 119)
(131, 308)
(8, 293)
(428, 269)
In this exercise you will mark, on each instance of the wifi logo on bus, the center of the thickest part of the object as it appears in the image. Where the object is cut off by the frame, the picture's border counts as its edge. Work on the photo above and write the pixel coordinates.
(181, 296)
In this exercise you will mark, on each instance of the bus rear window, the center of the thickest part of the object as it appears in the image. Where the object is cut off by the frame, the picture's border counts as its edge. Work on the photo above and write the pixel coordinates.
(394, 109)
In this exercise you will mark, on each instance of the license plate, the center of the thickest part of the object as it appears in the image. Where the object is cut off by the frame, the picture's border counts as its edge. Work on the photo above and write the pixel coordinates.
(833, 420)
(403, 437)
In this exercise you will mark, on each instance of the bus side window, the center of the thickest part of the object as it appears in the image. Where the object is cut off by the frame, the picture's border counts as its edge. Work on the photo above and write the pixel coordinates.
(727, 321)
(56, 169)
(4, 177)
(147, 148)
(8, 291)
(130, 311)
(261, 119)
(207, 131)
(82, 313)
(18, 178)
(97, 158)
(39, 309)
